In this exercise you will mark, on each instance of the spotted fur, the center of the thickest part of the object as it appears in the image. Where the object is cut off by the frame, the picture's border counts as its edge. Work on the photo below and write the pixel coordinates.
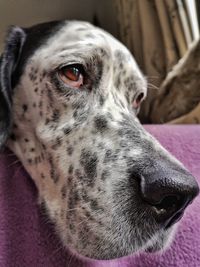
(84, 148)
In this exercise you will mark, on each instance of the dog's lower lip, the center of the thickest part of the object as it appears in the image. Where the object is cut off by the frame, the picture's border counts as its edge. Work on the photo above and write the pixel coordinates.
(174, 219)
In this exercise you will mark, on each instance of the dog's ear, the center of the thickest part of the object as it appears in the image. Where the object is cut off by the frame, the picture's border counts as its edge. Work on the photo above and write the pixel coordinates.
(8, 62)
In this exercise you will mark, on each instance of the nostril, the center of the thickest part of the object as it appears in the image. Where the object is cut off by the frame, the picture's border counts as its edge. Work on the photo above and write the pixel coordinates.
(170, 203)
(170, 209)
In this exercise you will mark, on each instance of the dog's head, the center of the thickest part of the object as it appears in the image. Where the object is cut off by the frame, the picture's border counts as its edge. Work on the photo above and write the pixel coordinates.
(69, 97)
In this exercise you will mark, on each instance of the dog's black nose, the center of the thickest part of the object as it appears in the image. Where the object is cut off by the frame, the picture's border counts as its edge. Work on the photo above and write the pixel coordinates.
(168, 192)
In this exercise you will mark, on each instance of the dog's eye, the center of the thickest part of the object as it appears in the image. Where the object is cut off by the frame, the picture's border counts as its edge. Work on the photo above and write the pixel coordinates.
(72, 75)
(137, 101)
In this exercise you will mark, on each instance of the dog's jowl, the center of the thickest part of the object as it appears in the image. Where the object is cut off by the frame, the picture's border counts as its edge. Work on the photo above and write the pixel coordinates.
(69, 96)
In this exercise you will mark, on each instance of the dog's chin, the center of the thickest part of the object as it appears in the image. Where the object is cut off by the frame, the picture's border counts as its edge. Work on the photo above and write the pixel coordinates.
(159, 244)
(162, 241)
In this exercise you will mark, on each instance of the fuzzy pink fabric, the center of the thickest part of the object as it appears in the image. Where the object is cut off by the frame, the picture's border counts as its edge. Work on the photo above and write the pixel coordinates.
(27, 238)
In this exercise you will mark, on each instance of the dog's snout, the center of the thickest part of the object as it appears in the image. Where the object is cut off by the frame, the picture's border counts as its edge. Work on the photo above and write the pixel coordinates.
(168, 192)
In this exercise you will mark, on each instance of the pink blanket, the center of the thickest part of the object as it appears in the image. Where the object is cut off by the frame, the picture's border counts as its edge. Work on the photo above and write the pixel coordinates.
(27, 238)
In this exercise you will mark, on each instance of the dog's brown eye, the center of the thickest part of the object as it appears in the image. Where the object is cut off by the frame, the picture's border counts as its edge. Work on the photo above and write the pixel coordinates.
(72, 75)
(137, 101)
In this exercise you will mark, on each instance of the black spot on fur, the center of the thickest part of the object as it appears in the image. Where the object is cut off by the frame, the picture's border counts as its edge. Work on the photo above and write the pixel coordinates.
(40, 104)
(32, 76)
(95, 206)
(90, 35)
(105, 174)
(13, 137)
(101, 100)
(37, 160)
(127, 95)
(81, 29)
(44, 73)
(121, 103)
(85, 196)
(64, 191)
(54, 176)
(56, 115)
(42, 175)
(89, 162)
(117, 81)
(70, 170)
(50, 96)
(57, 143)
(47, 121)
(100, 123)
(109, 115)
(67, 130)
(75, 114)
(104, 53)
(72, 227)
(43, 146)
(110, 156)
(70, 150)
(101, 146)
(71, 202)
(25, 107)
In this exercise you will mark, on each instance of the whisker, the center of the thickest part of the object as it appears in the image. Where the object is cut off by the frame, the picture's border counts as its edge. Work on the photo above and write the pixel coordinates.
(152, 86)
(14, 163)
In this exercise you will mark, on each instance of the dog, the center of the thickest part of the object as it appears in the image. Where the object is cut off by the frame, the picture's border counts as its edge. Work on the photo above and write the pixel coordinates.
(69, 97)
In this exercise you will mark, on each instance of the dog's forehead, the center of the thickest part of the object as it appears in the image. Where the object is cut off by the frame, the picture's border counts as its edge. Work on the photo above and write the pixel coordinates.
(77, 37)
(72, 34)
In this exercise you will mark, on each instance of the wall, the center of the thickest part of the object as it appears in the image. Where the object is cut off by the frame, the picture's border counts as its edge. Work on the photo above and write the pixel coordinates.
(27, 12)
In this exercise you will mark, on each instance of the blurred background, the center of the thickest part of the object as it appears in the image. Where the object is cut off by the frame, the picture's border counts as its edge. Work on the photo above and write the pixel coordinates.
(163, 36)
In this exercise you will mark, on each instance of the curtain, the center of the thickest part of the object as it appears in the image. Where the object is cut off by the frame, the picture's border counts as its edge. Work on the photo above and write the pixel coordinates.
(158, 33)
